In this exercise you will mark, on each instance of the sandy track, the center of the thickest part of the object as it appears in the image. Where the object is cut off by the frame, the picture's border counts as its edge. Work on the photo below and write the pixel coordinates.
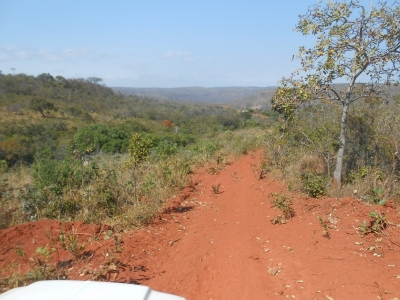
(223, 246)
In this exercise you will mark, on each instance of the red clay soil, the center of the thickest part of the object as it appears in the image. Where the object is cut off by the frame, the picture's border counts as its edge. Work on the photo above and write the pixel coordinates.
(223, 246)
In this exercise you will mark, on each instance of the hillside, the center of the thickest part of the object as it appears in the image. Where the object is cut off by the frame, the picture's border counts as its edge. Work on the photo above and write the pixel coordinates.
(48, 125)
(259, 100)
(193, 94)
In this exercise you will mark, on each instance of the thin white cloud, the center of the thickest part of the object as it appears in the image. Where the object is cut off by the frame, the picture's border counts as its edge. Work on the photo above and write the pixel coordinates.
(74, 53)
(16, 53)
(49, 56)
(170, 54)
(10, 48)
(5, 56)
(23, 55)
(189, 59)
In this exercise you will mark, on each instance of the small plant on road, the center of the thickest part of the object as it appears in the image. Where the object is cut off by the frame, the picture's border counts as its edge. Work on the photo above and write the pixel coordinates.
(19, 251)
(71, 243)
(263, 170)
(376, 225)
(284, 204)
(326, 232)
(215, 189)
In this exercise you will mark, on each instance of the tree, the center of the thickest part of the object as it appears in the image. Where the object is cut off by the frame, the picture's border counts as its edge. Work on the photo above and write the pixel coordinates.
(167, 123)
(95, 80)
(139, 148)
(45, 77)
(359, 45)
(41, 105)
(101, 137)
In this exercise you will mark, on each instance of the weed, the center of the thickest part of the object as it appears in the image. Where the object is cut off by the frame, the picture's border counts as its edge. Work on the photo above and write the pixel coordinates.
(19, 251)
(45, 251)
(36, 274)
(3, 166)
(284, 204)
(118, 243)
(326, 232)
(13, 281)
(215, 189)
(263, 170)
(376, 225)
(213, 170)
(39, 269)
(110, 266)
(376, 196)
(108, 234)
(364, 228)
(220, 159)
(71, 243)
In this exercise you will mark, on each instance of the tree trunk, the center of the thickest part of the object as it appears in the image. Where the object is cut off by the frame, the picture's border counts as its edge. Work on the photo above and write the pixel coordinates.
(337, 175)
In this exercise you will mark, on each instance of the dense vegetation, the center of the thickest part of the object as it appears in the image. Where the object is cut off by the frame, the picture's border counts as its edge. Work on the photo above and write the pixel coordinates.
(67, 146)
(72, 149)
(352, 123)
(303, 150)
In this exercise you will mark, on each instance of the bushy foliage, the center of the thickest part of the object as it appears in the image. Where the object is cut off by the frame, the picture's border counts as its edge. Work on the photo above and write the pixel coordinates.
(21, 142)
(101, 137)
(371, 148)
(313, 184)
(3, 166)
(45, 86)
(79, 169)
(69, 189)
(41, 105)
(139, 148)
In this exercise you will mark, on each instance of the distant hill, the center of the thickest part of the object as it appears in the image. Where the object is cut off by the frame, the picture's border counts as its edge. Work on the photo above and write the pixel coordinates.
(259, 100)
(237, 97)
(193, 94)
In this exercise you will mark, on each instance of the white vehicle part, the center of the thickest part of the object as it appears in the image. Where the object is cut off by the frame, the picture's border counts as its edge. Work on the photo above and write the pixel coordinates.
(84, 290)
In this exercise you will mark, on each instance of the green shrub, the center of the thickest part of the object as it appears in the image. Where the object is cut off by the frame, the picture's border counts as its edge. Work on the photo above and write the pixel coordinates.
(313, 184)
(166, 148)
(3, 166)
(57, 175)
(205, 147)
(70, 189)
(33, 201)
(42, 105)
(100, 137)
(139, 148)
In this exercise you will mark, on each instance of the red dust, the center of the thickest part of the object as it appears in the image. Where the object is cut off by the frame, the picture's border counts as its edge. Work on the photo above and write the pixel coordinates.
(223, 246)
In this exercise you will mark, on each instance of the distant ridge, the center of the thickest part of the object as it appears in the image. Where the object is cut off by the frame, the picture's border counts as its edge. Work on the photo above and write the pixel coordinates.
(237, 97)
(193, 94)
(259, 100)
(262, 99)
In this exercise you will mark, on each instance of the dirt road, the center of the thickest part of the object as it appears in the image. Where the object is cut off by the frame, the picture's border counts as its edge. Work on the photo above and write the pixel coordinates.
(223, 246)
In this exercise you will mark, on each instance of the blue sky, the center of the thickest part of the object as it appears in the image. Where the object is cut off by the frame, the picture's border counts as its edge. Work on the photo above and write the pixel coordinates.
(153, 43)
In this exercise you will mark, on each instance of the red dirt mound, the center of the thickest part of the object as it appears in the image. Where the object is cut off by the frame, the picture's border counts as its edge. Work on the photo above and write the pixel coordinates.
(216, 241)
